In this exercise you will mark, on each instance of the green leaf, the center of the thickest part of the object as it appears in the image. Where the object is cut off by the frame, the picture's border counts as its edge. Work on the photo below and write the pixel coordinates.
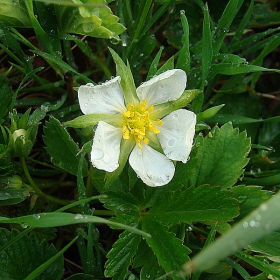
(5, 96)
(14, 14)
(195, 204)
(120, 201)
(61, 147)
(249, 198)
(88, 17)
(170, 251)
(259, 223)
(221, 157)
(24, 256)
(146, 259)
(41, 34)
(120, 256)
(268, 246)
(12, 196)
(38, 271)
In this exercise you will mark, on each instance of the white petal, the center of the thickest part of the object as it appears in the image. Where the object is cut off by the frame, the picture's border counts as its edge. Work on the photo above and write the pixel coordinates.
(102, 99)
(177, 133)
(154, 168)
(165, 87)
(105, 150)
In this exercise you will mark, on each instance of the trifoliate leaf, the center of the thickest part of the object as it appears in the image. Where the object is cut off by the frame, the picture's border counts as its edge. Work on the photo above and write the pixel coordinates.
(120, 256)
(120, 201)
(61, 147)
(195, 204)
(221, 157)
(170, 251)
(25, 255)
(146, 259)
(125, 206)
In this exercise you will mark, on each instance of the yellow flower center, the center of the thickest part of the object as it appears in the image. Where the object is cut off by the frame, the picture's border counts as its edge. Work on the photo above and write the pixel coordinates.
(138, 123)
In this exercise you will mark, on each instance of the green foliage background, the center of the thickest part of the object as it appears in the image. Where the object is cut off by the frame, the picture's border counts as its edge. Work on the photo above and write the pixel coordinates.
(63, 219)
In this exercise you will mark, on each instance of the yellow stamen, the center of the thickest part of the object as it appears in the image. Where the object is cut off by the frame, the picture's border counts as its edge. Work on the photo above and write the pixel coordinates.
(138, 123)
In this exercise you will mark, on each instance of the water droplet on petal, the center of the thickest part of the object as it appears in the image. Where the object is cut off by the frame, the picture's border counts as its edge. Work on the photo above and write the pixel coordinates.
(178, 130)
(97, 138)
(176, 115)
(171, 142)
(96, 154)
(106, 158)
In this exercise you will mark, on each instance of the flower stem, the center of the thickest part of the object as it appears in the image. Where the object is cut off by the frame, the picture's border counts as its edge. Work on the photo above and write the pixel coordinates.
(35, 187)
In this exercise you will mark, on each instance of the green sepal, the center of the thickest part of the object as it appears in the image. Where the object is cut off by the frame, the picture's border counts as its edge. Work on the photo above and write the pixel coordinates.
(166, 108)
(209, 113)
(125, 150)
(127, 81)
(22, 141)
(92, 119)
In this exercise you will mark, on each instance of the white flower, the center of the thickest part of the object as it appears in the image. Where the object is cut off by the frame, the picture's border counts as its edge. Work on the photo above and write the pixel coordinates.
(139, 124)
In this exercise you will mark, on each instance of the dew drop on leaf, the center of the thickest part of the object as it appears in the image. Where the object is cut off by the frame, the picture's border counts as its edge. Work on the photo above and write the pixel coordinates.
(78, 217)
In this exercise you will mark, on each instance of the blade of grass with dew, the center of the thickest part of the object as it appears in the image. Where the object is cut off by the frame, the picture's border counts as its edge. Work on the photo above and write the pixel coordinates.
(54, 219)
(259, 264)
(224, 23)
(243, 24)
(154, 65)
(71, 205)
(140, 25)
(156, 16)
(207, 49)
(59, 62)
(184, 58)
